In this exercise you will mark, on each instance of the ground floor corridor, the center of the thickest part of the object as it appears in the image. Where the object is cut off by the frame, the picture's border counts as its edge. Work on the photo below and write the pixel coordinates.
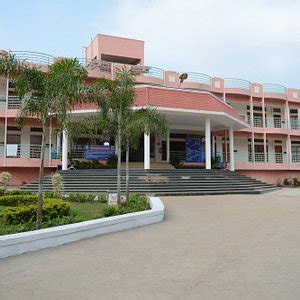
(210, 247)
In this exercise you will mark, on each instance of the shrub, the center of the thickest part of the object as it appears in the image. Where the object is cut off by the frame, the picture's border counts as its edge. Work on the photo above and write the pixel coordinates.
(296, 182)
(90, 164)
(6, 179)
(85, 198)
(19, 192)
(16, 200)
(287, 181)
(48, 194)
(137, 202)
(52, 209)
(112, 161)
(57, 185)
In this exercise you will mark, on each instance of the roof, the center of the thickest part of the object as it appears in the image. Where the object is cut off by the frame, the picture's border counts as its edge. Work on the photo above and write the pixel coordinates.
(182, 99)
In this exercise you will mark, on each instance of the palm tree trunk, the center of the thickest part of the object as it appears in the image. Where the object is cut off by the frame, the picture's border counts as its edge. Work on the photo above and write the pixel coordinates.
(127, 171)
(39, 212)
(119, 168)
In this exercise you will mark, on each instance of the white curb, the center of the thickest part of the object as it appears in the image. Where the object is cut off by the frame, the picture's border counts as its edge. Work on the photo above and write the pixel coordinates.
(18, 243)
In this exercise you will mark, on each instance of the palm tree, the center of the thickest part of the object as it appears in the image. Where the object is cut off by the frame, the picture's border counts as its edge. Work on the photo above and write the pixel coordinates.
(49, 96)
(137, 122)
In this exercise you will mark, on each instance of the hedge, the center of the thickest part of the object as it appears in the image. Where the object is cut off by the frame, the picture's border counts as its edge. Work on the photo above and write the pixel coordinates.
(52, 208)
(16, 200)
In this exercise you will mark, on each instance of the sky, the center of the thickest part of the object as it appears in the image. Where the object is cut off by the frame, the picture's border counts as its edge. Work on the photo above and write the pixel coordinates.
(257, 40)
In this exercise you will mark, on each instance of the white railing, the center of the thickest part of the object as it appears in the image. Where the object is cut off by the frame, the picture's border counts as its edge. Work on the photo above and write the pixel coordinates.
(199, 78)
(154, 72)
(33, 57)
(295, 124)
(29, 151)
(235, 83)
(257, 121)
(259, 157)
(277, 123)
(274, 88)
(295, 158)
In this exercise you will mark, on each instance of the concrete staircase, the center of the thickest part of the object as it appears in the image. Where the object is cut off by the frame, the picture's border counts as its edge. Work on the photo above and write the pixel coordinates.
(154, 166)
(160, 182)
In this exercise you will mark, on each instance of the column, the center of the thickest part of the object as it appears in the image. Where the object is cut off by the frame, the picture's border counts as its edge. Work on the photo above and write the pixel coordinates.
(287, 115)
(65, 150)
(231, 149)
(50, 143)
(207, 144)
(168, 146)
(5, 123)
(146, 151)
(289, 150)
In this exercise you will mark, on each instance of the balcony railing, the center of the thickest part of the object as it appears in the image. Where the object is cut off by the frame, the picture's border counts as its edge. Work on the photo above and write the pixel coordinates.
(295, 158)
(295, 124)
(274, 88)
(259, 157)
(154, 72)
(28, 151)
(277, 123)
(14, 102)
(235, 83)
(258, 122)
(33, 57)
(199, 78)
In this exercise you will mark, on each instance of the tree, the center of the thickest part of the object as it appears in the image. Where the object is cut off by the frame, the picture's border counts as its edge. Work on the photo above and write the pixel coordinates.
(136, 123)
(49, 96)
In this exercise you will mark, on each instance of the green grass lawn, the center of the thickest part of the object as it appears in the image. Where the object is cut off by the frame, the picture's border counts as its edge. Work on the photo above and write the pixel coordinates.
(83, 211)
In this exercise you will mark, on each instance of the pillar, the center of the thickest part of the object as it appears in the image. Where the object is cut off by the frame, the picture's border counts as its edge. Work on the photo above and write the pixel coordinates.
(5, 123)
(168, 146)
(207, 144)
(50, 143)
(146, 151)
(231, 149)
(65, 150)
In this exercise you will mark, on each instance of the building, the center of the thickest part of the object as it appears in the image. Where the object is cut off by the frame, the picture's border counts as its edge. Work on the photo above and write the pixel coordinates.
(253, 126)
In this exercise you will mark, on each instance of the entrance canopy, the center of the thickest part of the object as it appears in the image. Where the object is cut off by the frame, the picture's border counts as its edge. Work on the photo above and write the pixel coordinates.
(188, 109)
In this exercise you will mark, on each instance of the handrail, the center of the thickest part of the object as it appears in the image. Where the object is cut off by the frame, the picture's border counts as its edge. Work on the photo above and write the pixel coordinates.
(33, 57)
(154, 72)
(201, 78)
(274, 88)
(236, 83)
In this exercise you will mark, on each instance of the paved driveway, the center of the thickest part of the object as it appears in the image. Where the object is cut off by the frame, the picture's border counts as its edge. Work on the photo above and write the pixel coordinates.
(213, 247)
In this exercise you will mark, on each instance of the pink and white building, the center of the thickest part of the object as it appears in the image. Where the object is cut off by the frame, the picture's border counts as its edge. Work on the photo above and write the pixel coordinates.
(253, 126)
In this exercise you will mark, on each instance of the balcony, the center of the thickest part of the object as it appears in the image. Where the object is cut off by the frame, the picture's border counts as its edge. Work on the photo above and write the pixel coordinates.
(258, 122)
(277, 123)
(274, 91)
(247, 118)
(295, 124)
(37, 58)
(29, 151)
(198, 79)
(247, 157)
(14, 102)
(235, 85)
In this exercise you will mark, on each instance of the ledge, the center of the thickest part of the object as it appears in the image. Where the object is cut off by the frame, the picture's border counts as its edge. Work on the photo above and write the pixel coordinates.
(18, 243)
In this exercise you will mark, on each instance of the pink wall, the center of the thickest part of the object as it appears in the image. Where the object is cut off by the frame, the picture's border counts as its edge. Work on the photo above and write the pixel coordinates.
(115, 46)
(271, 176)
(20, 174)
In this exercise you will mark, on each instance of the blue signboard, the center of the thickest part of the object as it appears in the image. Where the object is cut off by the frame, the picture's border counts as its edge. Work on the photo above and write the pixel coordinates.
(194, 151)
(98, 152)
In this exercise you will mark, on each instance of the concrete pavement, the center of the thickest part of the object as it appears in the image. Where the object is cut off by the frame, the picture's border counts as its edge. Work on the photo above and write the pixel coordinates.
(211, 247)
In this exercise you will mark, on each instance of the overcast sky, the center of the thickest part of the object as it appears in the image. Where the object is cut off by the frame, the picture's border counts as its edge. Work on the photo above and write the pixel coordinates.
(258, 40)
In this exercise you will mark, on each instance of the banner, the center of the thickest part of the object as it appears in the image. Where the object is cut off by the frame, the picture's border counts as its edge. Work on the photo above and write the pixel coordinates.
(194, 151)
(98, 152)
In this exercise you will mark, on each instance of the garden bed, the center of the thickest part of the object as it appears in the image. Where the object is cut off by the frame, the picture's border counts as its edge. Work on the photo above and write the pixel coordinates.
(76, 208)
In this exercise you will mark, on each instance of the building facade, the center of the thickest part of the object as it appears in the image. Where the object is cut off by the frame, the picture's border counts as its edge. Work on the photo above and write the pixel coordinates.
(255, 127)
